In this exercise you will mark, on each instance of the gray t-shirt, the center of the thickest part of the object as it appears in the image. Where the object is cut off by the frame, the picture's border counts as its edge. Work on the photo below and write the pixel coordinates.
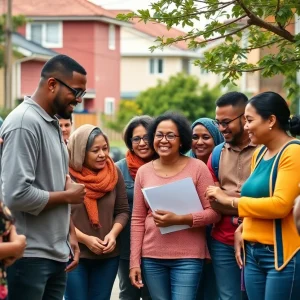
(34, 162)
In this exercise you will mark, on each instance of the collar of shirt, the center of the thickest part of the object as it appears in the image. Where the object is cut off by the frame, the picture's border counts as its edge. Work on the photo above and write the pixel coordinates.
(39, 110)
(235, 148)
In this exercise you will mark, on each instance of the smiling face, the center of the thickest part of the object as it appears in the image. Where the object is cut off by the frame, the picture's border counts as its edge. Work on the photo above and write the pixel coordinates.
(64, 100)
(233, 132)
(96, 157)
(141, 149)
(165, 147)
(203, 143)
(256, 126)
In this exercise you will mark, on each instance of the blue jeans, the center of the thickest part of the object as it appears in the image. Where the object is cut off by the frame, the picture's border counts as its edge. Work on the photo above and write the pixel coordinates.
(228, 274)
(172, 279)
(36, 279)
(127, 290)
(93, 279)
(263, 282)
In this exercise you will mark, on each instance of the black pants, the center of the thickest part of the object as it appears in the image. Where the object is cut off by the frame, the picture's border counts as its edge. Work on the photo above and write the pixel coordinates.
(128, 291)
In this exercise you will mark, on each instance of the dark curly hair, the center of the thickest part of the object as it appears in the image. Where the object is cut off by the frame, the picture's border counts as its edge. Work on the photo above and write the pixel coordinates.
(183, 127)
(132, 124)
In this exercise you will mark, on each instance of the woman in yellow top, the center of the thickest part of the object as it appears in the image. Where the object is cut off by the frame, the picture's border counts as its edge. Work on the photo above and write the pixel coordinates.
(272, 260)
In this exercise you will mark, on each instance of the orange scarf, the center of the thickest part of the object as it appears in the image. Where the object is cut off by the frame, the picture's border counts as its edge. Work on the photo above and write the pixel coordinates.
(97, 185)
(133, 163)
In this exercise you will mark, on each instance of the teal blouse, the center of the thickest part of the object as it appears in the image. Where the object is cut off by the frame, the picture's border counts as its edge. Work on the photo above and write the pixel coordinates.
(257, 185)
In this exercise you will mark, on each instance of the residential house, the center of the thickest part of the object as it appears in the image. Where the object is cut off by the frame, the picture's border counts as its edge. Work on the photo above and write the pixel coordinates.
(86, 32)
(25, 53)
(141, 69)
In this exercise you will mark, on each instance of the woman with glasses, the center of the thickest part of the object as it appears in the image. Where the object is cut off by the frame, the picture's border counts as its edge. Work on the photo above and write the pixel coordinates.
(206, 136)
(136, 139)
(99, 219)
(172, 263)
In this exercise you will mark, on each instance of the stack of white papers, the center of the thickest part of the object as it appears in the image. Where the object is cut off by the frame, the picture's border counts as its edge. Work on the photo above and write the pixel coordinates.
(179, 197)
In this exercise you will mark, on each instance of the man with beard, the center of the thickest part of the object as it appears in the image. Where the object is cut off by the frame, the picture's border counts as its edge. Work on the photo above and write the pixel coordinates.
(234, 168)
(35, 183)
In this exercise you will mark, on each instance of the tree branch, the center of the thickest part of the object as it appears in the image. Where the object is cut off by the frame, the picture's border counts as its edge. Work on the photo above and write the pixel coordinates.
(276, 12)
(225, 35)
(264, 45)
(222, 68)
(254, 20)
(199, 12)
(206, 41)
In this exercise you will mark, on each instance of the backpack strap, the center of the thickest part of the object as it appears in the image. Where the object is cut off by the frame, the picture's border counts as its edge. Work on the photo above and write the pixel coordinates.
(278, 228)
(215, 158)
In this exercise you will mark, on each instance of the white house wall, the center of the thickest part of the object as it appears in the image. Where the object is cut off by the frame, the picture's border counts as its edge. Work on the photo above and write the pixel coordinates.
(135, 75)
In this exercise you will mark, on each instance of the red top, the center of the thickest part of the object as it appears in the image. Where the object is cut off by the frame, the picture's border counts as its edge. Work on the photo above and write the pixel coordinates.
(222, 231)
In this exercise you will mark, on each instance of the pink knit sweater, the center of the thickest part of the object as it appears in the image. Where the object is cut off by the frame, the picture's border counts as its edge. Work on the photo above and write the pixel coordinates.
(146, 239)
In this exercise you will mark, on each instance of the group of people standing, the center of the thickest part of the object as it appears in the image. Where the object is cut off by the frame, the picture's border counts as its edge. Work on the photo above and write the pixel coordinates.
(85, 218)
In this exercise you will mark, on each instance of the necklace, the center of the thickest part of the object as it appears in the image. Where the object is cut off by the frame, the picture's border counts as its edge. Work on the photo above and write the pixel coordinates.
(162, 172)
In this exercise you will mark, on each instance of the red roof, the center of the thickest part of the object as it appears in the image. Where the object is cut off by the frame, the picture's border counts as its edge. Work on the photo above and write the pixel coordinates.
(156, 29)
(58, 8)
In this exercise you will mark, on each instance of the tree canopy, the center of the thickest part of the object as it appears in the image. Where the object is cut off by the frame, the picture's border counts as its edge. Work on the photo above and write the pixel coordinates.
(181, 93)
(17, 21)
(262, 23)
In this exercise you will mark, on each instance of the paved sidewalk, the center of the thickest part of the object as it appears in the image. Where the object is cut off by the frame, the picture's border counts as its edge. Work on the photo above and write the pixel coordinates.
(115, 291)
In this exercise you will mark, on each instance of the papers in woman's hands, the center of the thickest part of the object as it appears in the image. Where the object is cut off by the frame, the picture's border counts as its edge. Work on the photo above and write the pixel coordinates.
(179, 197)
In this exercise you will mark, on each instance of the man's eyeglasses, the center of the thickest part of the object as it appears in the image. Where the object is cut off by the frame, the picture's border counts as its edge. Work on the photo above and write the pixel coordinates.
(78, 93)
(137, 139)
(225, 124)
(169, 136)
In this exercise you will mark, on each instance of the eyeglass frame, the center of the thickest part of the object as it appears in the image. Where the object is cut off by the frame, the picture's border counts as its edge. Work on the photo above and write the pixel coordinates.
(225, 124)
(77, 93)
(140, 138)
(165, 136)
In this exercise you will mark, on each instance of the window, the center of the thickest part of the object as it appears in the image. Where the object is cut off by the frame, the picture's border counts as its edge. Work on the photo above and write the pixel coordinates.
(111, 37)
(109, 106)
(186, 64)
(47, 34)
(156, 66)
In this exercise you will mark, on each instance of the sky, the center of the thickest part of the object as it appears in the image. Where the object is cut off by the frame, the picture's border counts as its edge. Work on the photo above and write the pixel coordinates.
(124, 4)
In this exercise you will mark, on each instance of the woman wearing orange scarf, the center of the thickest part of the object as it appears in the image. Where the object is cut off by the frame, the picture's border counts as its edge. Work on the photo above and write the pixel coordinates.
(100, 219)
(136, 140)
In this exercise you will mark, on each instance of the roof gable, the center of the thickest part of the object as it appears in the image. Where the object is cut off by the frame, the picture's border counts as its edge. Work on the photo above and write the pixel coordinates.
(156, 29)
(58, 8)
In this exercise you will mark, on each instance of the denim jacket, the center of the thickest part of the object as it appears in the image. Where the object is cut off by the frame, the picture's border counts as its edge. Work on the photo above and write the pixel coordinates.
(124, 236)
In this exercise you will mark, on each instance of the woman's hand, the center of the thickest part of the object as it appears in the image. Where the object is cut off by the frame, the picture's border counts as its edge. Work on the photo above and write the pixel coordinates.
(19, 242)
(238, 245)
(135, 276)
(110, 243)
(214, 192)
(94, 244)
(164, 218)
